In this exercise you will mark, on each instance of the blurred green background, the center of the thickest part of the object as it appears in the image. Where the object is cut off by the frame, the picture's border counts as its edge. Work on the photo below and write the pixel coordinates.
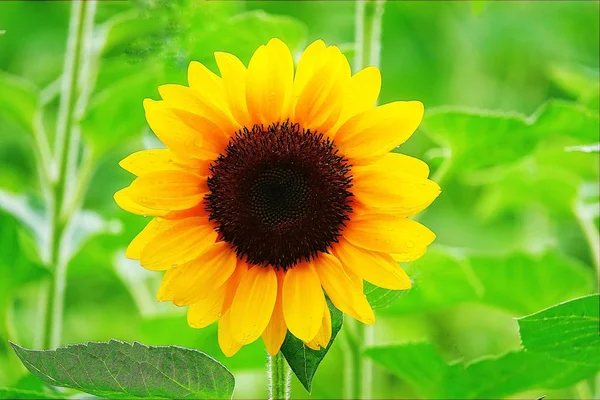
(511, 131)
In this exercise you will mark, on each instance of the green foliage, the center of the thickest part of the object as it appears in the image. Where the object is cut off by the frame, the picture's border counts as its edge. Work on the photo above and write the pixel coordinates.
(25, 394)
(123, 370)
(505, 138)
(518, 282)
(380, 297)
(567, 331)
(303, 360)
(22, 102)
(510, 132)
(424, 368)
(259, 28)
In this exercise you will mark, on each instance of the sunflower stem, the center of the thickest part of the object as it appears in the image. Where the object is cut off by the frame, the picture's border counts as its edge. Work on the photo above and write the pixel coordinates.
(279, 378)
(74, 87)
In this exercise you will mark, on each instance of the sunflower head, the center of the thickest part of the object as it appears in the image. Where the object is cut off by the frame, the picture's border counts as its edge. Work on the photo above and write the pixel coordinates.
(276, 187)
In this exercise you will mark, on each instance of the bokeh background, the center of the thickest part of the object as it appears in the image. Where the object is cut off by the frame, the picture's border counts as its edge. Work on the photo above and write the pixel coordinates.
(511, 132)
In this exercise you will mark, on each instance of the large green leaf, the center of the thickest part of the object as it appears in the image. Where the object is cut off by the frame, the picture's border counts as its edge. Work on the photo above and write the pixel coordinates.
(424, 368)
(560, 118)
(303, 360)
(440, 280)
(519, 283)
(122, 370)
(504, 138)
(19, 99)
(567, 331)
(523, 283)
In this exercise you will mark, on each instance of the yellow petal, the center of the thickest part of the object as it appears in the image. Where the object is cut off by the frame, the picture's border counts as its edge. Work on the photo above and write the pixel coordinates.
(253, 304)
(311, 59)
(234, 75)
(383, 185)
(324, 335)
(387, 233)
(401, 163)
(233, 283)
(206, 83)
(228, 344)
(165, 292)
(212, 138)
(167, 190)
(200, 103)
(182, 242)
(378, 268)
(303, 301)
(153, 228)
(145, 161)
(275, 332)
(178, 136)
(207, 310)
(361, 95)
(340, 289)
(122, 199)
(373, 133)
(270, 79)
(319, 103)
(196, 211)
(415, 254)
(356, 279)
(203, 275)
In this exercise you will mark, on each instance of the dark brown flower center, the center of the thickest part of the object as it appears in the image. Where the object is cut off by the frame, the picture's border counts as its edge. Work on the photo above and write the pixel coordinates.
(280, 194)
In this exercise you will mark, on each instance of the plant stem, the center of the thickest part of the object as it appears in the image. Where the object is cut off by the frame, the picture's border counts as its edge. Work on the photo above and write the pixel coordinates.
(359, 371)
(279, 378)
(66, 151)
(368, 33)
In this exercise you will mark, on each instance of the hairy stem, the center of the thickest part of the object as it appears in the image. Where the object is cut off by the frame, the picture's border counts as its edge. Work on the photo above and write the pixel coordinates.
(279, 378)
(74, 83)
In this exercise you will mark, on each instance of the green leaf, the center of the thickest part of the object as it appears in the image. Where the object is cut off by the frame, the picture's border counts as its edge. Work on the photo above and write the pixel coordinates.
(303, 360)
(567, 331)
(242, 34)
(22, 102)
(504, 137)
(440, 280)
(122, 30)
(561, 118)
(380, 297)
(19, 262)
(519, 283)
(523, 283)
(116, 115)
(578, 81)
(11, 393)
(424, 368)
(419, 364)
(117, 369)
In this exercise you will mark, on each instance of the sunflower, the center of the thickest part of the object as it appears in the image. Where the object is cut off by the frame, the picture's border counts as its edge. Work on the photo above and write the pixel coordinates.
(275, 188)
